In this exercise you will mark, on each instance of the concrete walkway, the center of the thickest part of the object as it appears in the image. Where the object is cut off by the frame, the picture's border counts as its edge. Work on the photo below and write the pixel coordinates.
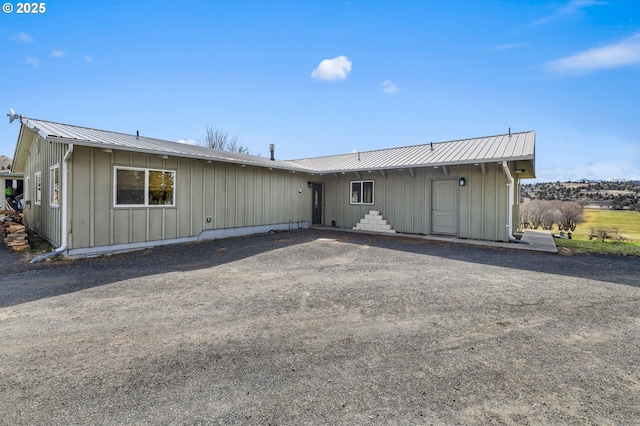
(540, 241)
(531, 240)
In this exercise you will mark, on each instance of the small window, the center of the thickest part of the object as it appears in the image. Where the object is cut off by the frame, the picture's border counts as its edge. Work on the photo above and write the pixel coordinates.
(144, 187)
(38, 188)
(362, 192)
(54, 183)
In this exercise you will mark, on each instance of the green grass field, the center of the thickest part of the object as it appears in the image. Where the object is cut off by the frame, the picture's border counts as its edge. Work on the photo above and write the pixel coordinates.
(627, 222)
(628, 225)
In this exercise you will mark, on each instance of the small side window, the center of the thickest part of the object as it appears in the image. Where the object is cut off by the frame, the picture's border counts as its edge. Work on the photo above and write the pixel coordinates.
(37, 190)
(54, 183)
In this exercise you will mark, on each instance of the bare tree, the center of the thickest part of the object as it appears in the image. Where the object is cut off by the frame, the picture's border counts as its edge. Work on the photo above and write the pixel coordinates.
(220, 139)
(543, 213)
(571, 214)
(550, 214)
(532, 213)
(524, 216)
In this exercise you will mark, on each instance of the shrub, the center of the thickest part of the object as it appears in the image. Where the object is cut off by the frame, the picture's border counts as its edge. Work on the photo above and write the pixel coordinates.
(603, 234)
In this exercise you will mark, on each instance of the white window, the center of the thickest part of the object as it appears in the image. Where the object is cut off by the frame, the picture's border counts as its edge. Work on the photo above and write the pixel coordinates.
(37, 190)
(361, 192)
(54, 185)
(136, 187)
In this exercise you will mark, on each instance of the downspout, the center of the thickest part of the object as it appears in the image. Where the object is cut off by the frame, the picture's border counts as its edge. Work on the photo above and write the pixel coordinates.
(64, 210)
(507, 172)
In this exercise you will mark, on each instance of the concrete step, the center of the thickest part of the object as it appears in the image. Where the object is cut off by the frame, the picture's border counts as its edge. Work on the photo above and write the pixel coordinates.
(374, 222)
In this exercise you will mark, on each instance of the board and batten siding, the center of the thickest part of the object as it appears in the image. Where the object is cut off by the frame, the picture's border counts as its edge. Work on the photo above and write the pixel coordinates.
(43, 216)
(405, 200)
(208, 196)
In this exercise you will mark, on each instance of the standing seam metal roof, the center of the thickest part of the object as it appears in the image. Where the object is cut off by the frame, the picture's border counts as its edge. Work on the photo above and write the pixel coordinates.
(64, 133)
(510, 147)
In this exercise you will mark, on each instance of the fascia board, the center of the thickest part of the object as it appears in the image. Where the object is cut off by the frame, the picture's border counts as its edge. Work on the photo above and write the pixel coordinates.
(99, 145)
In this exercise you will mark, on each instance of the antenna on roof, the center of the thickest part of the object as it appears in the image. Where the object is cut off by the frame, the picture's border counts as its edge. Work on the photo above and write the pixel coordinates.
(12, 115)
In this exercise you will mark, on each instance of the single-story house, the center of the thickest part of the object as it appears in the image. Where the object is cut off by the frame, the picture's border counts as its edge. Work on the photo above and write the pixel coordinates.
(92, 191)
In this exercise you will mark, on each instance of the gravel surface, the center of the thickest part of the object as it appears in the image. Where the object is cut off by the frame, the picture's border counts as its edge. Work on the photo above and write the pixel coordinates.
(321, 327)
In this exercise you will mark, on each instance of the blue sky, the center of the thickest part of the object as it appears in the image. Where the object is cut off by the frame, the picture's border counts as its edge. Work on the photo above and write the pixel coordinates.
(328, 77)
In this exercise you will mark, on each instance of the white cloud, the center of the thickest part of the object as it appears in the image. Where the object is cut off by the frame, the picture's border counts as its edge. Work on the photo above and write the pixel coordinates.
(189, 141)
(23, 37)
(570, 10)
(389, 86)
(626, 52)
(337, 68)
(57, 54)
(33, 61)
(88, 58)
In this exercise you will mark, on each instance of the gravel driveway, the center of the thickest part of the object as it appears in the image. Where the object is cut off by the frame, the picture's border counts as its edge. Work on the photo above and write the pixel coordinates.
(321, 327)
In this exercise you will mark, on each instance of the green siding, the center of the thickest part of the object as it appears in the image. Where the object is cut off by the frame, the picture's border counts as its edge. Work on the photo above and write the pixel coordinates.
(44, 217)
(404, 199)
(231, 195)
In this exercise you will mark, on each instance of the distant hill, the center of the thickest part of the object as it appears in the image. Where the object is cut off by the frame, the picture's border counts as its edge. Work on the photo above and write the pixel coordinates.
(616, 195)
(5, 162)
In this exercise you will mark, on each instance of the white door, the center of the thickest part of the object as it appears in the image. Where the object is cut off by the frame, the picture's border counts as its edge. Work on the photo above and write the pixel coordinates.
(443, 207)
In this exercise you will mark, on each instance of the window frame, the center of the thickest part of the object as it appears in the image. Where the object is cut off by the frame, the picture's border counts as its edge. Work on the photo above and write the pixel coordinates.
(27, 189)
(54, 171)
(361, 197)
(147, 171)
(37, 188)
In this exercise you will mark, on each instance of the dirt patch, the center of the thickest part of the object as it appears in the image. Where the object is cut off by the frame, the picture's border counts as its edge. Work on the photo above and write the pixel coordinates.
(39, 245)
(321, 328)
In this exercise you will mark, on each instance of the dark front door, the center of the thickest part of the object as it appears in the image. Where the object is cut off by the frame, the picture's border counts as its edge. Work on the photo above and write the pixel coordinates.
(316, 206)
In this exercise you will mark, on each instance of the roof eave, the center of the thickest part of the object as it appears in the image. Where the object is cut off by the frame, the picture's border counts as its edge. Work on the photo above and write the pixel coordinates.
(424, 165)
(100, 145)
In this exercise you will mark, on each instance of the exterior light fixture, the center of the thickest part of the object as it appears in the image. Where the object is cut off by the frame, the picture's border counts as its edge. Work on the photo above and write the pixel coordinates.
(462, 181)
(309, 184)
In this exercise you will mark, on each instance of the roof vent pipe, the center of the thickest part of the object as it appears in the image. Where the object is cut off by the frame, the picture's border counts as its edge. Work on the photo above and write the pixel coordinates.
(272, 149)
(431, 146)
(509, 131)
(137, 134)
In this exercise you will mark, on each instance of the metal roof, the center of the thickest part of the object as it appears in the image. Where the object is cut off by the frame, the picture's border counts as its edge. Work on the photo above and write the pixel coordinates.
(509, 147)
(83, 136)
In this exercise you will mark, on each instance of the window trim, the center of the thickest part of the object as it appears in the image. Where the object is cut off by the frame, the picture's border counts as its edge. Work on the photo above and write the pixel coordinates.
(37, 191)
(146, 171)
(52, 170)
(361, 202)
